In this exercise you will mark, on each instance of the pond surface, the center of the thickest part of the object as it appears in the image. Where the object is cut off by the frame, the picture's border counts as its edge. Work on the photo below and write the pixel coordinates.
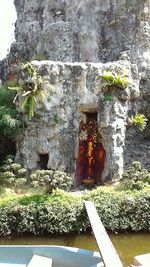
(127, 245)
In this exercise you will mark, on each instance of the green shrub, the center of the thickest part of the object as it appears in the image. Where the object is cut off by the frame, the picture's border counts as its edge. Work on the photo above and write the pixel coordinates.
(7, 178)
(10, 157)
(122, 211)
(8, 175)
(136, 177)
(5, 167)
(22, 172)
(20, 181)
(11, 172)
(9, 123)
(63, 212)
(51, 180)
(46, 180)
(15, 167)
(8, 161)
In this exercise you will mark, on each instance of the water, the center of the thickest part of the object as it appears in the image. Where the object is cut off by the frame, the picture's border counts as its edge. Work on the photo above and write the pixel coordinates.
(127, 245)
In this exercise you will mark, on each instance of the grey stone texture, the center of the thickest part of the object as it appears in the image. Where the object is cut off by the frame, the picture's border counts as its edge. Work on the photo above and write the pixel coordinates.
(76, 87)
(111, 34)
(78, 30)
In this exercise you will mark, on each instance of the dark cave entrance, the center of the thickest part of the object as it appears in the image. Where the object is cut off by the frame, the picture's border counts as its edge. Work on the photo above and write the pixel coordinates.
(7, 147)
(43, 161)
(91, 154)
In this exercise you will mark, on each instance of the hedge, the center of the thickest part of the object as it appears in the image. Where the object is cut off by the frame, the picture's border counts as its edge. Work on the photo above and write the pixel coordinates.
(63, 212)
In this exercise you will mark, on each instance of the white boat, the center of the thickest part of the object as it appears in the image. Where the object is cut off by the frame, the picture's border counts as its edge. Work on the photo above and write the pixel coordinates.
(61, 256)
(47, 256)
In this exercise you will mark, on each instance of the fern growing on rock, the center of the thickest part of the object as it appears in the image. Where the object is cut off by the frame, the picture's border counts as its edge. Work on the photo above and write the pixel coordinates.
(111, 79)
(139, 120)
(29, 89)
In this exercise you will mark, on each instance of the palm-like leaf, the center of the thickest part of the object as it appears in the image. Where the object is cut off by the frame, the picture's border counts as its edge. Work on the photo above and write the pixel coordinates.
(30, 89)
(26, 93)
(16, 88)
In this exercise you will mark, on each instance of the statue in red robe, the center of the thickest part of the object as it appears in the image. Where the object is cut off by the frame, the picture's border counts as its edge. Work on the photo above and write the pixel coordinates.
(91, 154)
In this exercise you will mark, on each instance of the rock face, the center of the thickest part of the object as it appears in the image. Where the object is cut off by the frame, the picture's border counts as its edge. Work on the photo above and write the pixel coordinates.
(54, 129)
(78, 30)
(82, 31)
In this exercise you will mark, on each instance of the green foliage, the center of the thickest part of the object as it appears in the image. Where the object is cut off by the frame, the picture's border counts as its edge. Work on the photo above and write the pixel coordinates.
(22, 172)
(50, 180)
(118, 80)
(139, 120)
(15, 167)
(56, 118)
(122, 211)
(29, 89)
(136, 177)
(6, 97)
(63, 212)
(9, 121)
(12, 175)
(108, 98)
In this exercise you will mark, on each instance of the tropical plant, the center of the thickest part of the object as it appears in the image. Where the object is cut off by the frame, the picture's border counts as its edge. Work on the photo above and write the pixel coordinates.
(118, 80)
(9, 119)
(139, 120)
(29, 89)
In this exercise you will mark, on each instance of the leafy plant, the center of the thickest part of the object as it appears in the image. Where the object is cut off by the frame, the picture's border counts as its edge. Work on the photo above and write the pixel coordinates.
(117, 80)
(108, 98)
(135, 177)
(63, 212)
(50, 180)
(10, 123)
(29, 89)
(12, 174)
(56, 118)
(139, 120)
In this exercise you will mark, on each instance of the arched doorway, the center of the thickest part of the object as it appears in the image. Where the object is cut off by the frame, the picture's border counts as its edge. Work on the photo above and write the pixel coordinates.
(91, 154)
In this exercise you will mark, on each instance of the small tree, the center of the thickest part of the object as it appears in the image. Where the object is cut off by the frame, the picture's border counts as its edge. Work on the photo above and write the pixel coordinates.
(10, 123)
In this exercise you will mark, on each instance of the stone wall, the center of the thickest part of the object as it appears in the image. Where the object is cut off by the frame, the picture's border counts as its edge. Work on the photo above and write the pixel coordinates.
(77, 86)
(95, 31)
(78, 30)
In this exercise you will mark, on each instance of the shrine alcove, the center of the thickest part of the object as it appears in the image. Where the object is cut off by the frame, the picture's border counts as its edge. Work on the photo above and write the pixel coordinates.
(91, 154)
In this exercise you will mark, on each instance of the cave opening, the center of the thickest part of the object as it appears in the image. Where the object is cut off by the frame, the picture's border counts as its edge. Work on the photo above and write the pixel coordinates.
(43, 161)
(7, 147)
